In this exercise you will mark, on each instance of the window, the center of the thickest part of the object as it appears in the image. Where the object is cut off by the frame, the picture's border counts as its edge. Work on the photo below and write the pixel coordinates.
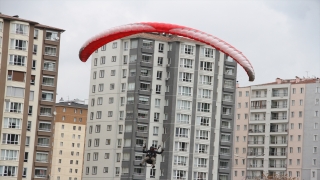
(50, 51)
(158, 89)
(203, 107)
(47, 96)
(18, 44)
(105, 170)
(99, 113)
(160, 61)
(8, 171)
(228, 84)
(40, 172)
(98, 128)
(225, 137)
(17, 60)
(133, 58)
(159, 75)
(42, 157)
(112, 86)
(224, 164)
(185, 77)
(206, 66)
(106, 155)
(301, 102)
(125, 46)
(93, 88)
(157, 103)
(101, 86)
(94, 170)
(13, 107)
(44, 126)
(315, 149)
(113, 58)
(186, 63)
(142, 114)
(205, 79)
(9, 155)
(10, 138)
(100, 100)
(95, 61)
(187, 49)
(101, 74)
(95, 156)
(182, 104)
(204, 93)
(182, 132)
(114, 45)
(13, 123)
(201, 134)
(155, 130)
(184, 91)
(179, 174)
(48, 81)
(104, 47)
(102, 60)
(161, 47)
(43, 142)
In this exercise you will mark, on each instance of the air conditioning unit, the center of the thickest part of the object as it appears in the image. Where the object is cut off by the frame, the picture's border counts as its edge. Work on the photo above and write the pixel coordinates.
(168, 65)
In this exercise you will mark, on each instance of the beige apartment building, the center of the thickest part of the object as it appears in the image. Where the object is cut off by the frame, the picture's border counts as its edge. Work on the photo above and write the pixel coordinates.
(29, 58)
(276, 130)
(69, 140)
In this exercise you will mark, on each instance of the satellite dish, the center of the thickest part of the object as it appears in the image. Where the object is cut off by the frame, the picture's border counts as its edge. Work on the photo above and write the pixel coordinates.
(54, 113)
(57, 38)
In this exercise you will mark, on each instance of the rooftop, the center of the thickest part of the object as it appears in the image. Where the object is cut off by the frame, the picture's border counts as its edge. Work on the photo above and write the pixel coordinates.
(72, 104)
(38, 25)
(297, 80)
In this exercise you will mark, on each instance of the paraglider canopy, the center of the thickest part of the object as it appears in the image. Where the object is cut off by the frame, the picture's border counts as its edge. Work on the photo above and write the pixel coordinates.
(148, 27)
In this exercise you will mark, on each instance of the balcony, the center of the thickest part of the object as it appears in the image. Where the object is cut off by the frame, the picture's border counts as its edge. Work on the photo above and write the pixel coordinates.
(257, 119)
(256, 142)
(277, 94)
(279, 106)
(281, 142)
(255, 166)
(259, 96)
(277, 166)
(255, 154)
(256, 130)
(259, 107)
(145, 78)
(254, 177)
(278, 118)
(275, 130)
(146, 64)
(277, 153)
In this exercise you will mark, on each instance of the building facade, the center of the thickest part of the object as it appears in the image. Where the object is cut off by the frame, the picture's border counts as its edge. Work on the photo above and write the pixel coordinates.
(156, 89)
(69, 138)
(29, 57)
(276, 130)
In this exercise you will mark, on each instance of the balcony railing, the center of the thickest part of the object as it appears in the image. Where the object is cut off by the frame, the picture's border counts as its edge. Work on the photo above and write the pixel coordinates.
(278, 118)
(278, 130)
(257, 119)
(255, 165)
(279, 94)
(277, 165)
(255, 153)
(279, 142)
(277, 154)
(259, 96)
(259, 107)
(256, 130)
(255, 142)
(279, 106)
(254, 177)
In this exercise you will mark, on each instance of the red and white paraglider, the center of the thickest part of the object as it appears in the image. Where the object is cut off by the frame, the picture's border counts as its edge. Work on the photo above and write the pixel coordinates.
(147, 27)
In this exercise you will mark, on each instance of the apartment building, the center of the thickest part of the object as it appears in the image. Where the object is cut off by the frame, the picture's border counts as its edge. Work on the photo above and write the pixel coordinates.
(69, 138)
(166, 90)
(277, 129)
(29, 57)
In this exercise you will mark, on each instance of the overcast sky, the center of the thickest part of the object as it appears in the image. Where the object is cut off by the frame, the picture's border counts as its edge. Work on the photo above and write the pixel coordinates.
(280, 38)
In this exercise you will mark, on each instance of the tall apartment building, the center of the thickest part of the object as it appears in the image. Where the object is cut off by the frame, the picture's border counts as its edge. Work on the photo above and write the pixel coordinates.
(163, 90)
(277, 130)
(69, 138)
(29, 57)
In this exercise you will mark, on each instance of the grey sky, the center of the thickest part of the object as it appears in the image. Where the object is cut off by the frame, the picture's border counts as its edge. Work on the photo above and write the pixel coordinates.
(280, 38)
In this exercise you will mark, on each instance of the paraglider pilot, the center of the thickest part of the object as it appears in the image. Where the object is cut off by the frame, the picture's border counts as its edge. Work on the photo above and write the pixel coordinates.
(151, 155)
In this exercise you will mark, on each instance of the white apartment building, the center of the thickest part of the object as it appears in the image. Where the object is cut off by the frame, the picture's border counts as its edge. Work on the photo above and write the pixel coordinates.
(29, 56)
(163, 90)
